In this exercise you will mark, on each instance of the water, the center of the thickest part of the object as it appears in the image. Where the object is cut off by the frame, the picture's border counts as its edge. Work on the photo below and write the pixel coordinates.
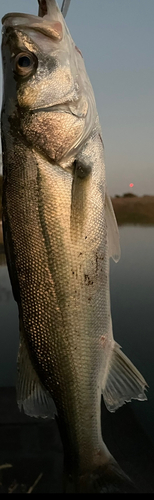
(8, 330)
(132, 304)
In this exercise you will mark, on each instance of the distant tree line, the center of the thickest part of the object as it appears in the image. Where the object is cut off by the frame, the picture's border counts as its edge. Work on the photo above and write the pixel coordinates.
(125, 195)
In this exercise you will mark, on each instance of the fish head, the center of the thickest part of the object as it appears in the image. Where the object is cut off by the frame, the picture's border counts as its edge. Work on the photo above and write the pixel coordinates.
(47, 93)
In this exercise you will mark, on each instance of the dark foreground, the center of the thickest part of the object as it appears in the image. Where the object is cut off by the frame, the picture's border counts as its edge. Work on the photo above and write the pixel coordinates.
(31, 455)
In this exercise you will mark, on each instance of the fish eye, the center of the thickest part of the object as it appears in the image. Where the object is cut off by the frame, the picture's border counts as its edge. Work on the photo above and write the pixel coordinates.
(25, 63)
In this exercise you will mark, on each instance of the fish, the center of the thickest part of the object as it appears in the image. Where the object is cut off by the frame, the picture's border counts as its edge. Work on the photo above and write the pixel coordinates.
(60, 231)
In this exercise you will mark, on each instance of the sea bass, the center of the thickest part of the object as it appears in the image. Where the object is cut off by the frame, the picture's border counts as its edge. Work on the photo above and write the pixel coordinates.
(59, 233)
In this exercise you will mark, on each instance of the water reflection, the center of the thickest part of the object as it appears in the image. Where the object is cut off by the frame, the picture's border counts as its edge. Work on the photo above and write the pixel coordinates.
(8, 329)
(132, 301)
(2, 259)
(5, 289)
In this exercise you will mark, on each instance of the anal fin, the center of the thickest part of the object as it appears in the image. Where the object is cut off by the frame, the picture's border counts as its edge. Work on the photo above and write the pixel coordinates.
(123, 382)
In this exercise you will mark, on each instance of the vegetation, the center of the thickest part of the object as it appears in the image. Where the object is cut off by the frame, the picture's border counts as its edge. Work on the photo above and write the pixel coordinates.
(134, 209)
(129, 195)
(125, 195)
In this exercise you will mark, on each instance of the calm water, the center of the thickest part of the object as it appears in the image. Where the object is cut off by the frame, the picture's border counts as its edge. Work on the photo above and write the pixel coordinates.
(132, 304)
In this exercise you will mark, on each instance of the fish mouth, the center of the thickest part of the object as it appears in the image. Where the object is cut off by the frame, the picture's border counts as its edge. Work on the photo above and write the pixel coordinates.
(18, 15)
(66, 107)
(60, 108)
(51, 29)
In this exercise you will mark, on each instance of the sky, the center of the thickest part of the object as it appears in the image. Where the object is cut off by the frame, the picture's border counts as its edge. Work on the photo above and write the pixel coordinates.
(116, 38)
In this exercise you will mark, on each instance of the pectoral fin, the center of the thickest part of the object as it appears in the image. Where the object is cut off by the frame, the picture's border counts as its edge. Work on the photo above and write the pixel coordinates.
(123, 382)
(112, 228)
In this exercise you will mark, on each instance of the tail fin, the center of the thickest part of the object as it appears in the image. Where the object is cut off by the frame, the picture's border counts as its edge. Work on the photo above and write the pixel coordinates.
(105, 479)
(110, 479)
(123, 382)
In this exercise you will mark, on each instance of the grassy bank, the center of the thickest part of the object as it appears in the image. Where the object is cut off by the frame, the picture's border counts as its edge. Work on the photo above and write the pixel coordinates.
(134, 209)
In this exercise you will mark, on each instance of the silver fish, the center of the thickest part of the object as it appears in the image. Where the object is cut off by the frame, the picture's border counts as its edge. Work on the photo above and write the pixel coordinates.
(59, 233)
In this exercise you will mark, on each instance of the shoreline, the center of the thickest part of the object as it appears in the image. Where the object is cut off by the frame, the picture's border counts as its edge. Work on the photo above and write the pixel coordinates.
(131, 209)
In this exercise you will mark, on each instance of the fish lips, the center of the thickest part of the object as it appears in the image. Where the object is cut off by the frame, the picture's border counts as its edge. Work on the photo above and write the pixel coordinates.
(51, 29)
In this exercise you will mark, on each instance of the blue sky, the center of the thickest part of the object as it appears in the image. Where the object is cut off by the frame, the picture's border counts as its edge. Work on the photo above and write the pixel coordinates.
(116, 38)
